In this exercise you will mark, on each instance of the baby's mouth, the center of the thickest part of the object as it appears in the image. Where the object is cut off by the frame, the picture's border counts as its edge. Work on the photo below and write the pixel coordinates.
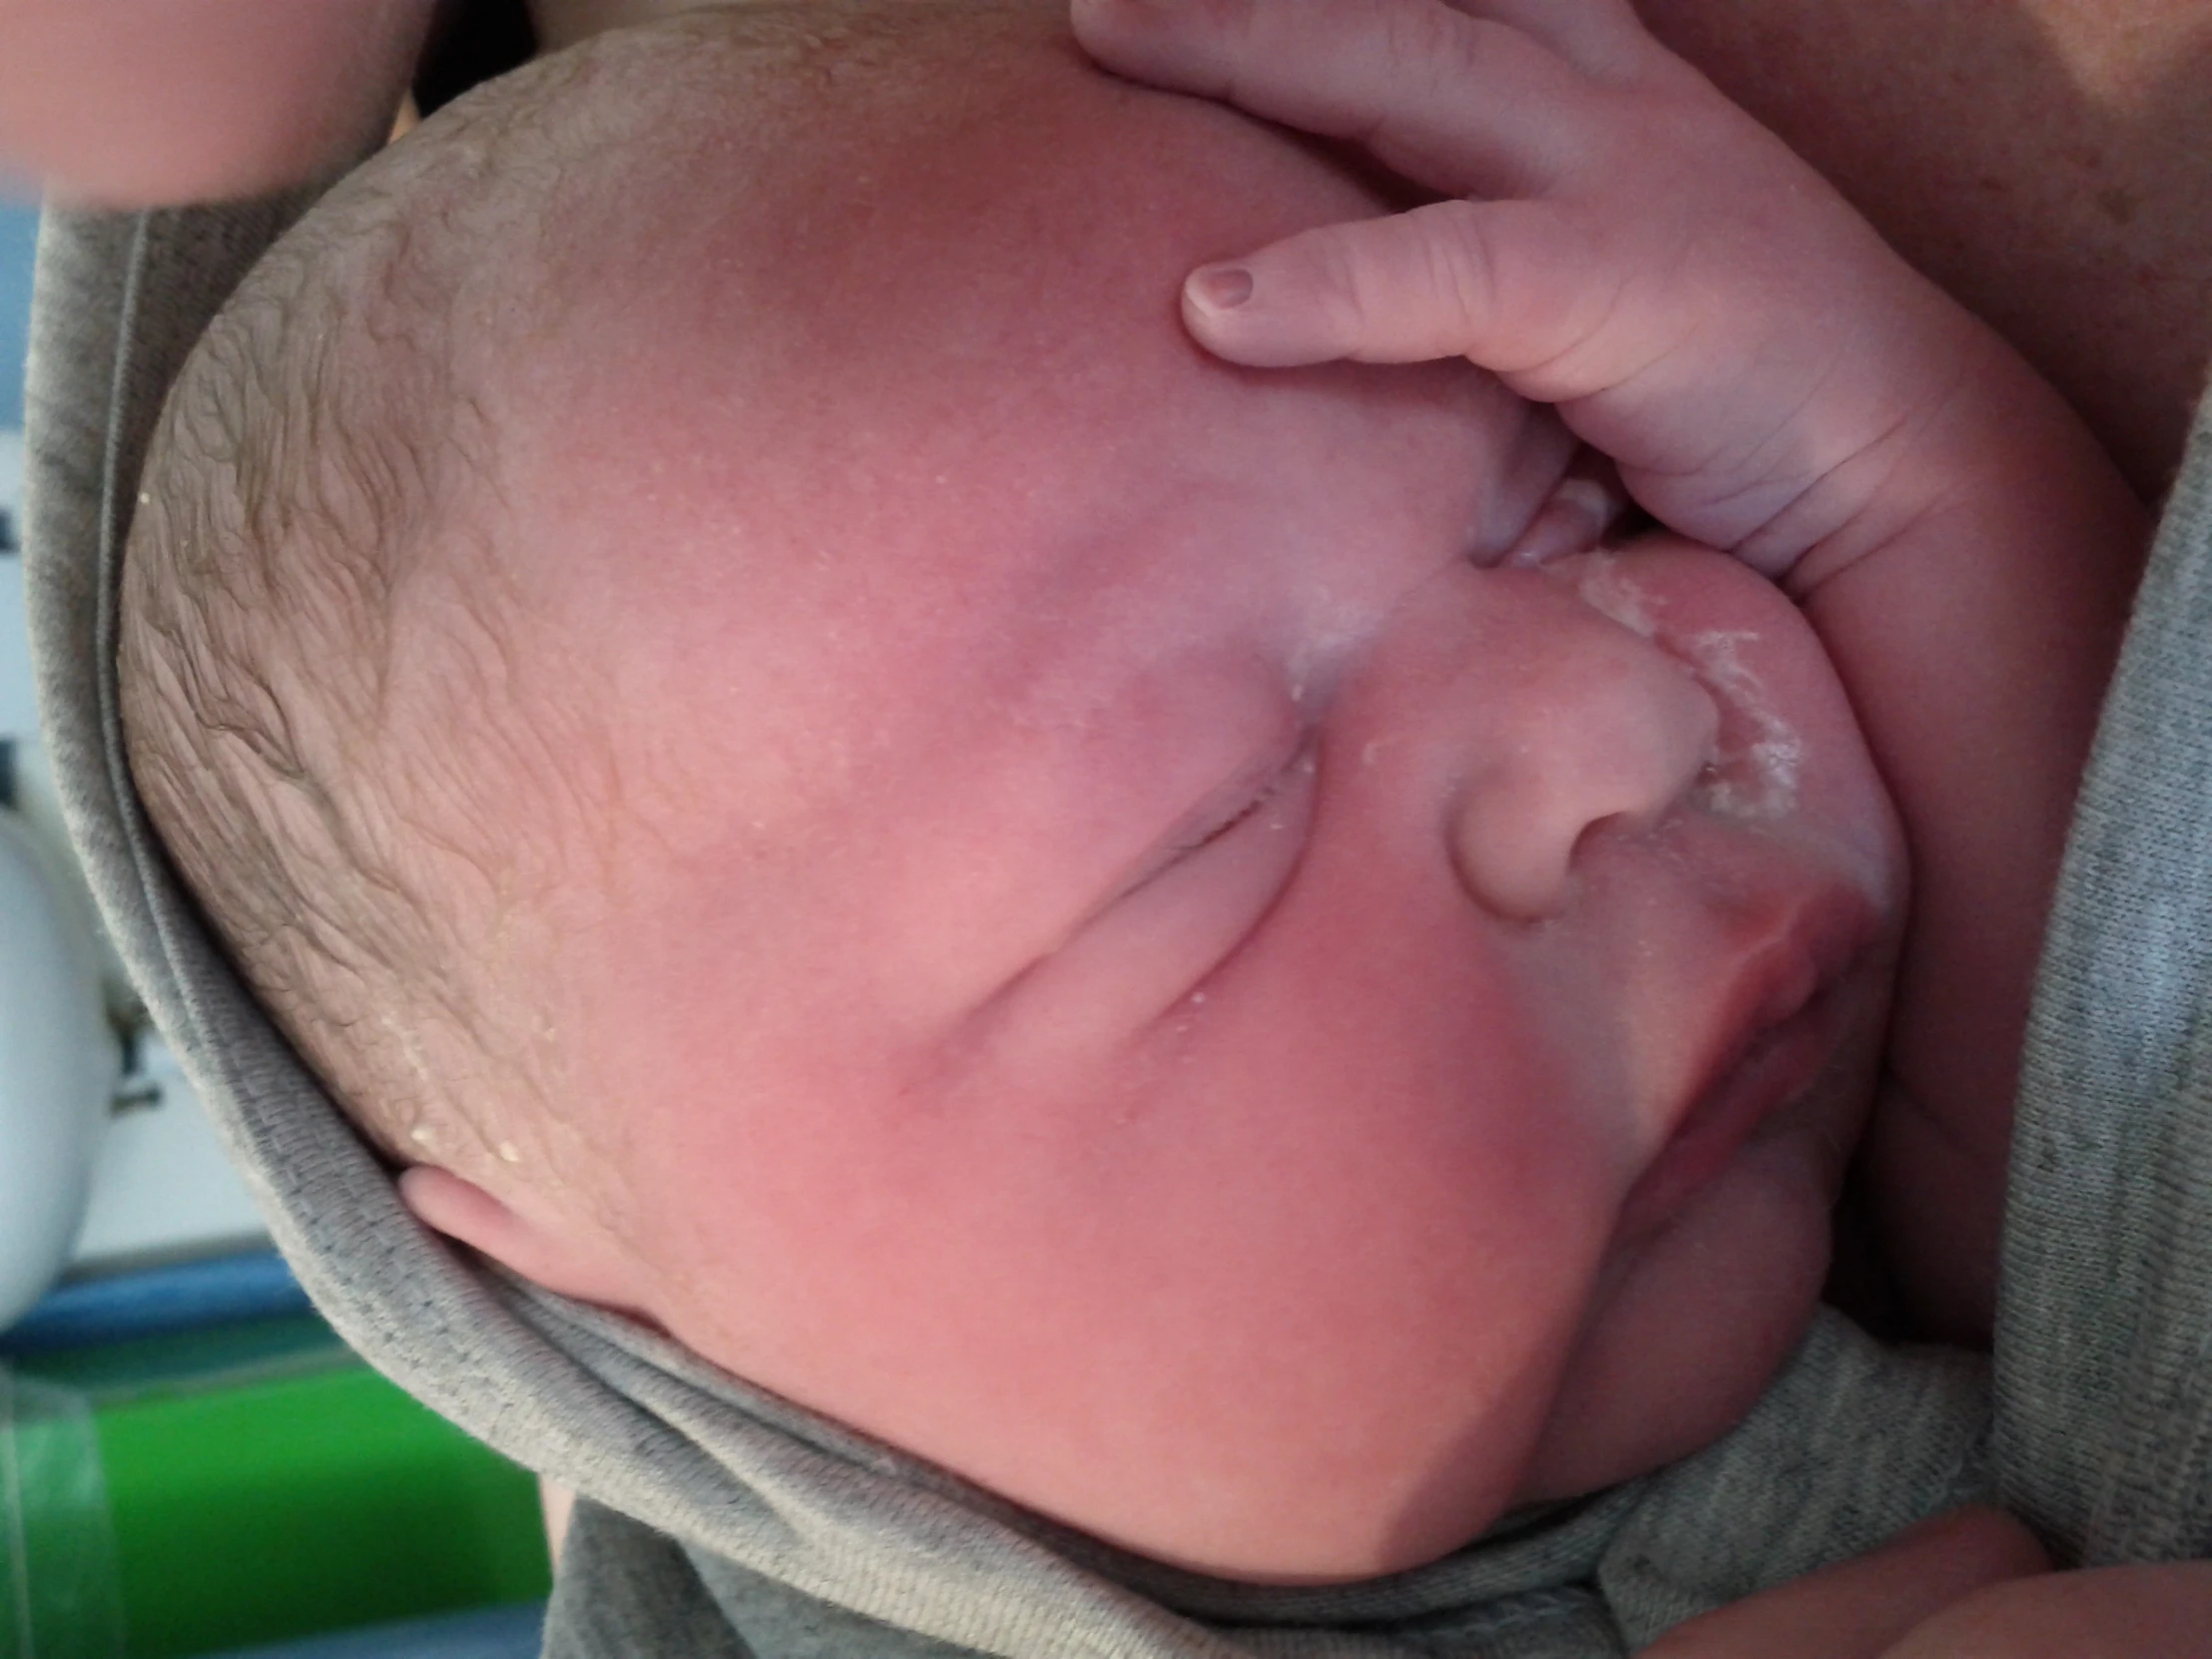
(1774, 1066)
(1792, 1016)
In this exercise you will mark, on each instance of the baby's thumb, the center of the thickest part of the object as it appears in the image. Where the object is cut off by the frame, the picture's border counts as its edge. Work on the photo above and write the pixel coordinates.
(1500, 283)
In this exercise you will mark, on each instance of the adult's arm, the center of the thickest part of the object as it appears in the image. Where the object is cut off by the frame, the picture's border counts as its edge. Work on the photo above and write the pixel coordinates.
(1863, 1608)
(128, 103)
(1970, 1584)
(2045, 161)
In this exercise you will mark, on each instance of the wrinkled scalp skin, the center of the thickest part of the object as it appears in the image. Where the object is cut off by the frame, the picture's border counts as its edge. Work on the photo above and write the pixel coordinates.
(310, 452)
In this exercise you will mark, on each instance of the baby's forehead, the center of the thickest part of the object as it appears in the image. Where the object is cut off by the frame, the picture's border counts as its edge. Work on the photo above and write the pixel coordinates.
(994, 204)
(904, 417)
(961, 301)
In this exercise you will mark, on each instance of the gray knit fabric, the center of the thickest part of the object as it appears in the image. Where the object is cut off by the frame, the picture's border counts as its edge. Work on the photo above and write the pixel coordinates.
(722, 1521)
(2104, 1409)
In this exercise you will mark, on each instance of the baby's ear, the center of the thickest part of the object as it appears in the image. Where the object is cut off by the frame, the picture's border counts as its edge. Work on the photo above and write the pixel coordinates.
(578, 1265)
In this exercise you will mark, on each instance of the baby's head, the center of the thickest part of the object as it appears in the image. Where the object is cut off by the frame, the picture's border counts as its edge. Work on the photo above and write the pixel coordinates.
(827, 780)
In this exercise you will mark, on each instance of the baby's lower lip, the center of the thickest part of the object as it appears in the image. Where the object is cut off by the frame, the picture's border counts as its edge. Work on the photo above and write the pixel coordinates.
(1777, 1064)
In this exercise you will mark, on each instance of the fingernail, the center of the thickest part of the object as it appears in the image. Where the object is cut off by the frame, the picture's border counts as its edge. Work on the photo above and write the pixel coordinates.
(1220, 288)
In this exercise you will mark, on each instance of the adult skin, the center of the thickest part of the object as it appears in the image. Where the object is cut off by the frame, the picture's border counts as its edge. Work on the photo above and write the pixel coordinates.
(124, 103)
(2050, 162)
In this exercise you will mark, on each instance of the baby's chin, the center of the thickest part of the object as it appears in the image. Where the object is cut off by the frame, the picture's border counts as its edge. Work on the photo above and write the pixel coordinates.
(1680, 1341)
(1675, 1352)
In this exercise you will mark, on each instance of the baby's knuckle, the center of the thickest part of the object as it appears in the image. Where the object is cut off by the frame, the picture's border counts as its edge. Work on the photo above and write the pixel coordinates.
(1432, 50)
(1462, 265)
(1343, 278)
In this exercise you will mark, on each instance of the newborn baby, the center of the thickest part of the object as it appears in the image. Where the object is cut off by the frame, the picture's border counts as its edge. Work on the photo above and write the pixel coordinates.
(1164, 935)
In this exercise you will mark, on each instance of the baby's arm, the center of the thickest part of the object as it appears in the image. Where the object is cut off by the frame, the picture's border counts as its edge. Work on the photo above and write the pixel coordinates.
(1773, 380)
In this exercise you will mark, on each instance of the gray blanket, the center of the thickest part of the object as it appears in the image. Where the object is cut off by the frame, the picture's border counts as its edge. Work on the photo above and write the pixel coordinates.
(719, 1520)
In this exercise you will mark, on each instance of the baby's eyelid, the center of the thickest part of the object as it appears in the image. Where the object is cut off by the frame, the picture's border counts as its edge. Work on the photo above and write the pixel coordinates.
(1250, 796)
(1137, 959)
(1189, 911)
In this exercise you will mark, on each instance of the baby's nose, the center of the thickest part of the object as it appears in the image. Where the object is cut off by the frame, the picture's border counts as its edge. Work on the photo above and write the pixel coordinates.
(1604, 731)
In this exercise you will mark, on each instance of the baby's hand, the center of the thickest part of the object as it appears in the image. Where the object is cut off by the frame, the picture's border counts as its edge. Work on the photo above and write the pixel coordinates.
(1861, 1607)
(1772, 381)
(1621, 241)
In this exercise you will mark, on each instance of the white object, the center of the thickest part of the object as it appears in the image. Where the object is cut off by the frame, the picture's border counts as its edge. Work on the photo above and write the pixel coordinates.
(11, 477)
(57, 1068)
(18, 713)
(162, 1187)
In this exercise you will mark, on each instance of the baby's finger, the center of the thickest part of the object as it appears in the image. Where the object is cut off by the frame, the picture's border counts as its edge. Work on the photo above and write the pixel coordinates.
(1602, 38)
(1511, 285)
(1463, 105)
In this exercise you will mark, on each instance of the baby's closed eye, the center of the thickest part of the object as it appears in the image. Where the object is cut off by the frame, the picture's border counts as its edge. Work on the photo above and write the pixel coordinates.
(1251, 800)
(1182, 911)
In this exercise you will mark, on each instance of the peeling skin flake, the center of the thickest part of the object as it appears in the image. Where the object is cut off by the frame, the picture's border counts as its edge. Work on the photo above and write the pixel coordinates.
(1756, 779)
(1598, 579)
(1760, 778)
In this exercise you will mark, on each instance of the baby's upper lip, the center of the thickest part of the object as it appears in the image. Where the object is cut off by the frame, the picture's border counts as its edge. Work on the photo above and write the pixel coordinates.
(1771, 1034)
(1813, 944)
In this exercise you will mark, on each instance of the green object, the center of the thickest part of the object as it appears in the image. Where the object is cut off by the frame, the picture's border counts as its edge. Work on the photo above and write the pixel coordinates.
(58, 1592)
(247, 1486)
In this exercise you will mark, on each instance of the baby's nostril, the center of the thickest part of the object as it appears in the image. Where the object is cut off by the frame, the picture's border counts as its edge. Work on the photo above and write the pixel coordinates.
(1594, 833)
(1638, 821)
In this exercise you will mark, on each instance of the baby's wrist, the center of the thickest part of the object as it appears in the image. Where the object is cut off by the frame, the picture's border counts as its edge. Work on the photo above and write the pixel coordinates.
(1998, 457)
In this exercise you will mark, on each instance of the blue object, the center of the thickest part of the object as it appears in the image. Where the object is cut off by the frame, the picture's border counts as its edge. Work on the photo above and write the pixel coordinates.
(156, 1302)
(490, 1633)
(18, 237)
